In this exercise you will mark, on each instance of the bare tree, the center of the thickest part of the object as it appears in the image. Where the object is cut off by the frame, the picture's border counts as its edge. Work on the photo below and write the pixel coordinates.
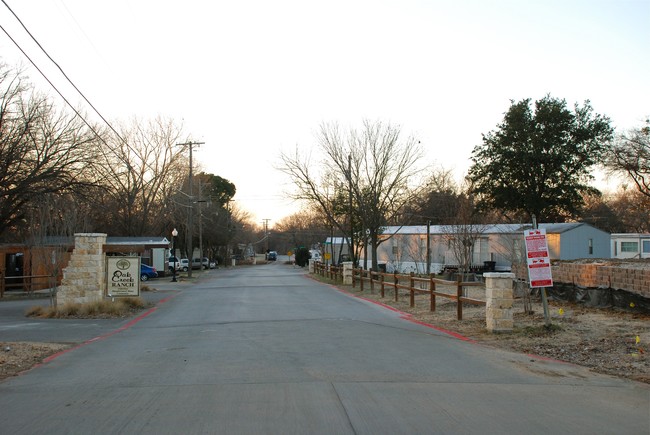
(464, 233)
(373, 165)
(438, 202)
(142, 172)
(52, 224)
(43, 151)
(631, 207)
(630, 155)
(306, 228)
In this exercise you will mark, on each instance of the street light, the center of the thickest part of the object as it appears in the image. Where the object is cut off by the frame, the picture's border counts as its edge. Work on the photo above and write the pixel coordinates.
(174, 234)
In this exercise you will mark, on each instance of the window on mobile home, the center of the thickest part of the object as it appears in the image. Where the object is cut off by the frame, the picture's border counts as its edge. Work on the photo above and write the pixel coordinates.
(629, 246)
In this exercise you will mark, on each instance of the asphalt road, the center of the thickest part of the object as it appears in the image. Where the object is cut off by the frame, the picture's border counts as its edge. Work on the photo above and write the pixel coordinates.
(267, 350)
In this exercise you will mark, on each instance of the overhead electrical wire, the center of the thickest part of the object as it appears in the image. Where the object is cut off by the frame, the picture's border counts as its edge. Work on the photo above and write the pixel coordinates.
(147, 164)
(73, 85)
(64, 75)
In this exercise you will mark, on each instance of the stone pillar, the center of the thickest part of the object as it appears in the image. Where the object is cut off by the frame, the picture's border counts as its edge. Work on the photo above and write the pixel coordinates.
(500, 298)
(84, 279)
(311, 265)
(347, 272)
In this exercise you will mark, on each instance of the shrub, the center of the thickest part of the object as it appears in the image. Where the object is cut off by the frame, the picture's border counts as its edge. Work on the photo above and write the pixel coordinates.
(302, 256)
(35, 311)
(121, 307)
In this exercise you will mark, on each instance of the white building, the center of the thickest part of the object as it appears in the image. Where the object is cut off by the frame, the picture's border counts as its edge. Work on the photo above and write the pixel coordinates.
(630, 245)
(404, 249)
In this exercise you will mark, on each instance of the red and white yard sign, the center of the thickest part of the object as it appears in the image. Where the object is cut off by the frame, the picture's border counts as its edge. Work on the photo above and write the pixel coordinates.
(539, 263)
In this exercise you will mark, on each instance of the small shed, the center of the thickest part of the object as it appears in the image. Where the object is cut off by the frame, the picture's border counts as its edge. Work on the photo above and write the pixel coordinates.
(153, 251)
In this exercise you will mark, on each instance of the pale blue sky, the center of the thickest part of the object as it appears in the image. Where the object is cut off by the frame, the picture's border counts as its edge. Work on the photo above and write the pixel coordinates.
(252, 78)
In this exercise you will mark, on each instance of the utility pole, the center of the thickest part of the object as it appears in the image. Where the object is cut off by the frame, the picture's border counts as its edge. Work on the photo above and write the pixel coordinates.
(428, 247)
(266, 238)
(201, 227)
(190, 231)
(352, 250)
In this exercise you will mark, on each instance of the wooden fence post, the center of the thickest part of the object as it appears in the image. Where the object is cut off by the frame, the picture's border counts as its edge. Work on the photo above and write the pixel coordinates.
(412, 285)
(432, 289)
(362, 272)
(459, 295)
(396, 281)
(382, 284)
(353, 281)
(372, 282)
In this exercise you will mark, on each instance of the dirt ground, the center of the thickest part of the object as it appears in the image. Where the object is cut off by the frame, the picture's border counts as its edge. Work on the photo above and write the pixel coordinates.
(608, 341)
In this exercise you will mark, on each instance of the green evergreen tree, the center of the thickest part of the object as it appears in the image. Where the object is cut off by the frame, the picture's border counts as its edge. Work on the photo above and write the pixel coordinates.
(538, 161)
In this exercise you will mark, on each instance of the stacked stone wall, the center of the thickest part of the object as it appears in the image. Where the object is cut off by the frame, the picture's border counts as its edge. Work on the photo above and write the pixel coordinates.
(633, 277)
(84, 279)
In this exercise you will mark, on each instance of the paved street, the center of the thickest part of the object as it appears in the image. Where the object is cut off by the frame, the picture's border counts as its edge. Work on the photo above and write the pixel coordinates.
(266, 349)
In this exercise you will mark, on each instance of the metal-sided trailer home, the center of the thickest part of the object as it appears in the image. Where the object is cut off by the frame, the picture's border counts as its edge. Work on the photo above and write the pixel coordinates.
(337, 248)
(497, 246)
(630, 245)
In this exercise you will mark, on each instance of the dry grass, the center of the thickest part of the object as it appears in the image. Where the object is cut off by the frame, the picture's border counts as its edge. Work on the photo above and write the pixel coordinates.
(121, 307)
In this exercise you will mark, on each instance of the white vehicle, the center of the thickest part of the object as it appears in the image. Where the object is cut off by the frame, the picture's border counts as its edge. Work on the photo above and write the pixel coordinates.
(174, 264)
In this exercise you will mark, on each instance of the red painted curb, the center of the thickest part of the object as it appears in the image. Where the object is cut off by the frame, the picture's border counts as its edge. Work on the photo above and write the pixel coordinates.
(408, 317)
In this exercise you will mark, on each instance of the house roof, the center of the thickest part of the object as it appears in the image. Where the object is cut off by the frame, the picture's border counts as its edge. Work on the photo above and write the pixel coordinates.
(137, 241)
(551, 228)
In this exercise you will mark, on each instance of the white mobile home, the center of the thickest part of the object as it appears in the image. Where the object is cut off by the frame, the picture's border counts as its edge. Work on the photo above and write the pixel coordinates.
(404, 249)
(630, 245)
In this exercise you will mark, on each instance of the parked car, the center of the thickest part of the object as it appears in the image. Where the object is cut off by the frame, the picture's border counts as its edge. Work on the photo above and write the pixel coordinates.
(185, 264)
(174, 263)
(197, 263)
(147, 272)
(272, 256)
(205, 263)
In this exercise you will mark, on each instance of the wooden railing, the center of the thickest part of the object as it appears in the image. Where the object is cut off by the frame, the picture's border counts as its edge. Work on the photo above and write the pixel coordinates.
(335, 273)
(415, 284)
(27, 283)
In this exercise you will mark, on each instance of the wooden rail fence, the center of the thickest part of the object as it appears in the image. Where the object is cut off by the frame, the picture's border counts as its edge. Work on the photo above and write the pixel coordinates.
(26, 283)
(335, 273)
(415, 284)
(411, 283)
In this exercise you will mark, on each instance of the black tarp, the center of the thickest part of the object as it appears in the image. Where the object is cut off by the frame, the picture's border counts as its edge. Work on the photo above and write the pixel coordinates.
(599, 297)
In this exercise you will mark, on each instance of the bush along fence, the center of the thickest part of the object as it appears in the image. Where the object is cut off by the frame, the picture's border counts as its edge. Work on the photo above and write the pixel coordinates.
(498, 287)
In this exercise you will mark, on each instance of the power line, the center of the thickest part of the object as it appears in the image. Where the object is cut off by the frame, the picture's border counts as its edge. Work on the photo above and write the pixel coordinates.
(51, 84)
(62, 72)
(73, 85)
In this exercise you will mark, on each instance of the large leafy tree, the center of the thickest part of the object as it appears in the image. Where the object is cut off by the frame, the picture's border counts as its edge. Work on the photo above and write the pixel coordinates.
(539, 159)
